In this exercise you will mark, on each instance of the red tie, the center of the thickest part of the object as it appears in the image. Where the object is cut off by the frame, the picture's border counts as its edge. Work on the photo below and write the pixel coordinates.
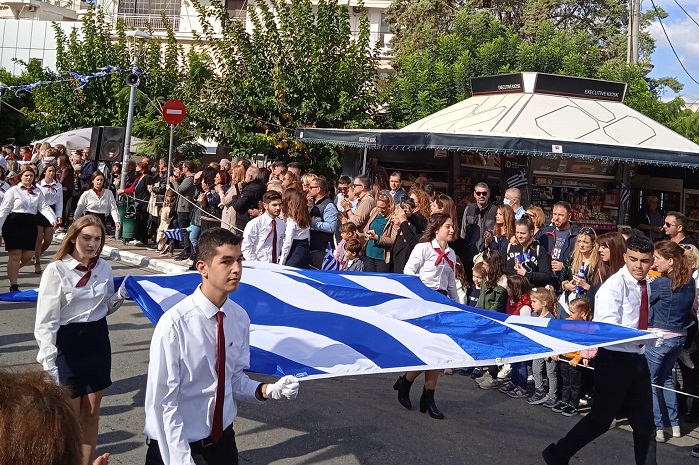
(30, 190)
(443, 256)
(274, 240)
(86, 277)
(217, 427)
(643, 315)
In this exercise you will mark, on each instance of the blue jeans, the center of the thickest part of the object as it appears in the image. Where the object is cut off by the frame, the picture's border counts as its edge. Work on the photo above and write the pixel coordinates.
(194, 235)
(661, 360)
(519, 374)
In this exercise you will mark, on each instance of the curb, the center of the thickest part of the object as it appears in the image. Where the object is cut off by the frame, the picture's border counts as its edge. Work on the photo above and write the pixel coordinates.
(134, 259)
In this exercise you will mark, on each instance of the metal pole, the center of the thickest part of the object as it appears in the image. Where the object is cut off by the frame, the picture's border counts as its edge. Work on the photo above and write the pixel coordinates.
(169, 155)
(364, 161)
(635, 30)
(129, 124)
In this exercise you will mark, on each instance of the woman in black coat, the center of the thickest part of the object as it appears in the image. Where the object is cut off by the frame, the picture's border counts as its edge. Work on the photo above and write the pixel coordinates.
(141, 194)
(410, 229)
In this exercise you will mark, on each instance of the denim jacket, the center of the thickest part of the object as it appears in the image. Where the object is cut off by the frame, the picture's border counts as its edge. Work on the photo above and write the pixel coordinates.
(671, 310)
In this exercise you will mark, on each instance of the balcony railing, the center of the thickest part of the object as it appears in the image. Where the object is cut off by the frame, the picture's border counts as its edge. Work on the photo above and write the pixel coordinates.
(155, 21)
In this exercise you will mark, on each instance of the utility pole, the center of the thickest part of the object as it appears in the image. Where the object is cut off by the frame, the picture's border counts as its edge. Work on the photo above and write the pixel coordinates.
(634, 31)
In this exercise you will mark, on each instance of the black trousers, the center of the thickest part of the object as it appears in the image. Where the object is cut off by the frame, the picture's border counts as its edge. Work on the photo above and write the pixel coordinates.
(572, 382)
(183, 221)
(224, 452)
(377, 266)
(622, 389)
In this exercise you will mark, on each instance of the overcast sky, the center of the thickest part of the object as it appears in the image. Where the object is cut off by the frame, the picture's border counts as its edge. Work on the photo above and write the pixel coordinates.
(684, 35)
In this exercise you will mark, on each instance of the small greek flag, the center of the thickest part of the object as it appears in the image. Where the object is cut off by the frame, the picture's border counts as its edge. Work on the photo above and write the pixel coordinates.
(624, 194)
(175, 234)
(517, 180)
(329, 262)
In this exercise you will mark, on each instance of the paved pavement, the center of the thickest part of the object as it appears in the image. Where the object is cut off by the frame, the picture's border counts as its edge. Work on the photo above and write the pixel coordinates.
(341, 421)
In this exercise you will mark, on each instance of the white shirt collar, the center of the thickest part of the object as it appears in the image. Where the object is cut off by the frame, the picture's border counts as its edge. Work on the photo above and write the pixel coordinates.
(628, 277)
(436, 246)
(207, 307)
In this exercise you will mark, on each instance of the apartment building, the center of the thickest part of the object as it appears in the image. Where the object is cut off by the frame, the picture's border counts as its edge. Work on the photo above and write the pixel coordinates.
(26, 30)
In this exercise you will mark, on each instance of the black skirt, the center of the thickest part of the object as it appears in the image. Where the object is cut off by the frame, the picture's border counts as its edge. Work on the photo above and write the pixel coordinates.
(42, 221)
(84, 358)
(299, 255)
(101, 216)
(19, 231)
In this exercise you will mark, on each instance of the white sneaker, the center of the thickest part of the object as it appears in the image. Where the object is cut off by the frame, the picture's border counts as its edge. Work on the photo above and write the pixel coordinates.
(660, 436)
(505, 371)
(676, 431)
(187, 262)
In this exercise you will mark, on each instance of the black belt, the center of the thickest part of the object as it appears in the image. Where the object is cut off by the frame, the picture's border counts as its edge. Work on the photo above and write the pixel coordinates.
(202, 443)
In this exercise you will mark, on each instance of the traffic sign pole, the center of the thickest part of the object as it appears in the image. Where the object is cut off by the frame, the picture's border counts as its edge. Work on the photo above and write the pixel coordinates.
(169, 156)
(174, 112)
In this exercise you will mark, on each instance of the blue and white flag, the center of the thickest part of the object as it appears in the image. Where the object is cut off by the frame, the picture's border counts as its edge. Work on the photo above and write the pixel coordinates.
(319, 324)
(175, 234)
(624, 194)
(517, 180)
(329, 262)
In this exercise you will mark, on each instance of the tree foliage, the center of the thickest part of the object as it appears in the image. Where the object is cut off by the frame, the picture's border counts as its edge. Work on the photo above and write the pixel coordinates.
(16, 126)
(300, 66)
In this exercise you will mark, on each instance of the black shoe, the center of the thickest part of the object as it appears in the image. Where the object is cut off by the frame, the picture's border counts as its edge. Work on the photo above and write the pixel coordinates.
(14, 288)
(153, 247)
(403, 387)
(427, 404)
(695, 452)
(550, 457)
(182, 256)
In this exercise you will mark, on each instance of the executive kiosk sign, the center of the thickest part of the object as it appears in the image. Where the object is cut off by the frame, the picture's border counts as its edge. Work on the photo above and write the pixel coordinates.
(579, 87)
(500, 84)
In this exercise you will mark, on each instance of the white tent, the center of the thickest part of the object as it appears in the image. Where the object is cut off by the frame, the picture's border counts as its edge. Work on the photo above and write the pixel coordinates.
(79, 139)
(533, 114)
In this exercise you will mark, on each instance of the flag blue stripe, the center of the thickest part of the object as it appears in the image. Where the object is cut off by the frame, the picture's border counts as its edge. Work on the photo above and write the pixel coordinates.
(363, 337)
(262, 361)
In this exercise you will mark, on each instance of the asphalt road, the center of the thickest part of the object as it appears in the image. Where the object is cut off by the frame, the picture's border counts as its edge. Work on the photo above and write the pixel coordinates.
(342, 421)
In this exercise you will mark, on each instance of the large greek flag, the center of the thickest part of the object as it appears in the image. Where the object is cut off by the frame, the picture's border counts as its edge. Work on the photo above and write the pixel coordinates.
(315, 324)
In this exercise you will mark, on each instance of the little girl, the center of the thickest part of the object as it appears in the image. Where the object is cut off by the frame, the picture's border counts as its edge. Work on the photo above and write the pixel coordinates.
(579, 309)
(518, 304)
(347, 231)
(461, 282)
(474, 291)
(544, 304)
(165, 245)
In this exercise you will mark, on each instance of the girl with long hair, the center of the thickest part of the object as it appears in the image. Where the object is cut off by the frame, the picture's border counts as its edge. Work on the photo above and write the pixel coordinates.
(75, 296)
(422, 203)
(433, 261)
(504, 230)
(65, 175)
(98, 201)
(611, 247)
(53, 196)
(209, 200)
(579, 270)
(296, 249)
(237, 177)
(18, 228)
(527, 257)
(672, 299)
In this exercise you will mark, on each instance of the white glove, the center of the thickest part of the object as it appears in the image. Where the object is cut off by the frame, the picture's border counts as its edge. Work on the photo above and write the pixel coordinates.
(288, 386)
(122, 292)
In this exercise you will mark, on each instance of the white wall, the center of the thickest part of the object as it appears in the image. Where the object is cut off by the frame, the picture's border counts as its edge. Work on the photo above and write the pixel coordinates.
(26, 39)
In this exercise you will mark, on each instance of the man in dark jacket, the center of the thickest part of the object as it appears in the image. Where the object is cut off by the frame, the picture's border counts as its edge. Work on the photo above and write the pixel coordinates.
(323, 220)
(559, 239)
(478, 218)
(184, 186)
(249, 198)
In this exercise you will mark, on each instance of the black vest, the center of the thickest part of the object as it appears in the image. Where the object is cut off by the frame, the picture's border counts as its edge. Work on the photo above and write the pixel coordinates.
(320, 239)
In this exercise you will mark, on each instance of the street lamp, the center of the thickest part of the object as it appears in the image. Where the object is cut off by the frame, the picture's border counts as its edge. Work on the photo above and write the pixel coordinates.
(132, 80)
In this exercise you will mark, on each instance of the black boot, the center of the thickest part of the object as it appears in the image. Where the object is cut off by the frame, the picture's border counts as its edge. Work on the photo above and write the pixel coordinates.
(427, 404)
(403, 388)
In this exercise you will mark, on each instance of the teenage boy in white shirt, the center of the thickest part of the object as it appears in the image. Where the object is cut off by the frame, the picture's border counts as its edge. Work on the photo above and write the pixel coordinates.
(263, 236)
(191, 395)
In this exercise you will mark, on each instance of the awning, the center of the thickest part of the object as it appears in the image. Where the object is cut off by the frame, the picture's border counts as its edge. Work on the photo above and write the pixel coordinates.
(583, 123)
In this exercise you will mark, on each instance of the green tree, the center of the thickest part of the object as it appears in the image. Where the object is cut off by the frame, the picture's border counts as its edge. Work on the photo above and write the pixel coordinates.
(16, 126)
(300, 66)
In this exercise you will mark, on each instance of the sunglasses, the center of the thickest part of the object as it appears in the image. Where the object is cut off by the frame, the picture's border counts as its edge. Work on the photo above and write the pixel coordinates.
(357, 185)
(588, 231)
(669, 225)
(480, 193)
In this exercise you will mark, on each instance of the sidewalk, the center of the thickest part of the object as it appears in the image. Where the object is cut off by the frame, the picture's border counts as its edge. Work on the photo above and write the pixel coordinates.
(139, 256)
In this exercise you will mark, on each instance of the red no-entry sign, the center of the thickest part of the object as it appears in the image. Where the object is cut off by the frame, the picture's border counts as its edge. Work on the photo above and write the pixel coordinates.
(174, 112)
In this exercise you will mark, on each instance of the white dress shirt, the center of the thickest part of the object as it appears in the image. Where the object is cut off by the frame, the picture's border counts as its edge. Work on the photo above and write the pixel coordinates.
(18, 200)
(53, 195)
(4, 187)
(422, 263)
(292, 233)
(61, 303)
(182, 378)
(105, 205)
(618, 301)
(257, 238)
